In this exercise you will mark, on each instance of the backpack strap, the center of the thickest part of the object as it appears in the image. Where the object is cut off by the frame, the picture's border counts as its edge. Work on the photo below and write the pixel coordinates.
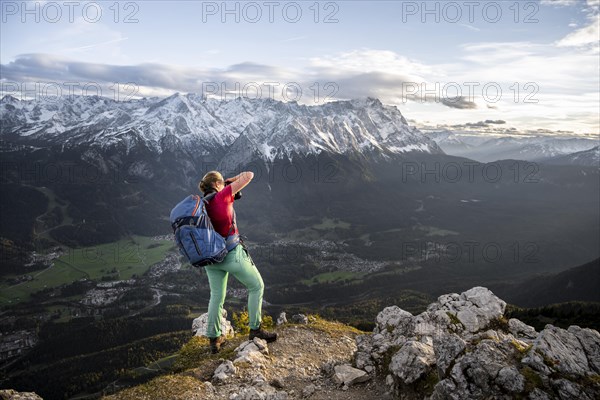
(191, 219)
(208, 198)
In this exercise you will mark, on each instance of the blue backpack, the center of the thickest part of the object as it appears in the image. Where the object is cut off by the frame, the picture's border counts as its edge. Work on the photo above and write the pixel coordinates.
(195, 236)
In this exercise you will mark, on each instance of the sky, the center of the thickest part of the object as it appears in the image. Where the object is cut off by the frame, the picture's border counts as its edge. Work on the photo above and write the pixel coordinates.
(533, 65)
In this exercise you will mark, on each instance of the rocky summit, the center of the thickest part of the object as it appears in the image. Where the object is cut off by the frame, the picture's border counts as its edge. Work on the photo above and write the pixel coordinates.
(461, 347)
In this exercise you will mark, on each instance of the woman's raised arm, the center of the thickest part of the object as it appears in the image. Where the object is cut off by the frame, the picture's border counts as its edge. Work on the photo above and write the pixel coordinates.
(240, 181)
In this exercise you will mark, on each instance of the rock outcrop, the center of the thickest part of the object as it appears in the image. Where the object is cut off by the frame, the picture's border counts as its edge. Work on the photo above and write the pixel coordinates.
(462, 347)
(9, 394)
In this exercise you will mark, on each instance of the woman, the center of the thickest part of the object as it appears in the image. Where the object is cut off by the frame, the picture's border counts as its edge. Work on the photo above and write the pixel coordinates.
(237, 262)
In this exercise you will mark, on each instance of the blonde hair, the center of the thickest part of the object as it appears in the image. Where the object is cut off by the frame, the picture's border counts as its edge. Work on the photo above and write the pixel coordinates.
(207, 180)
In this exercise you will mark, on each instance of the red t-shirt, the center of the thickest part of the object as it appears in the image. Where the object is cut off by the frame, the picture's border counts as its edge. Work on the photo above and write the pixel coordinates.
(220, 211)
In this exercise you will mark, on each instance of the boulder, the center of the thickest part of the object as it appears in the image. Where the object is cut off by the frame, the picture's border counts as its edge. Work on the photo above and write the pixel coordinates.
(300, 319)
(252, 352)
(282, 319)
(347, 375)
(200, 324)
(10, 394)
(446, 349)
(521, 329)
(559, 350)
(590, 341)
(394, 321)
(413, 360)
(224, 371)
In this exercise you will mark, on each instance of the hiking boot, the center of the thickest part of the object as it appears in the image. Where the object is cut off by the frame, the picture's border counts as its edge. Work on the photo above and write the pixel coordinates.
(216, 343)
(259, 333)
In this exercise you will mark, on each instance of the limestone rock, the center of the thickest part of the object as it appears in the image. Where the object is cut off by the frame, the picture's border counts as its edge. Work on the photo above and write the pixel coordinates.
(557, 349)
(347, 375)
(446, 349)
(308, 391)
(282, 319)
(10, 394)
(473, 375)
(364, 344)
(453, 349)
(394, 320)
(520, 329)
(256, 393)
(590, 341)
(300, 319)
(570, 390)
(252, 352)
(200, 324)
(412, 361)
(474, 308)
(224, 371)
(511, 380)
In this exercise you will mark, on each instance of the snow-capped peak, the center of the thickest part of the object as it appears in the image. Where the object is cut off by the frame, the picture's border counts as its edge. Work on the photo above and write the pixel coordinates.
(272, 128)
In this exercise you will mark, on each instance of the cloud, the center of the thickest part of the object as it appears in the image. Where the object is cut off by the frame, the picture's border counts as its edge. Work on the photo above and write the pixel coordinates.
(594, 4)
(470, 27)
(381, 74)
(147, 76)
(90, 46)
(562, 81)
(253, 69)
(459, 102)
(588, 35)
(559, 3)
(480, 124)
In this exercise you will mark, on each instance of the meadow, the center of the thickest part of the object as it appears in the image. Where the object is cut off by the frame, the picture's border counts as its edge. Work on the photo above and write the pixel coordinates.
(120, 260)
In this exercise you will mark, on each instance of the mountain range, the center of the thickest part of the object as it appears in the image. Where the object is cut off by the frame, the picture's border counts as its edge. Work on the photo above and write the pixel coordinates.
(538, 148)
(271, 129)
(82, 171)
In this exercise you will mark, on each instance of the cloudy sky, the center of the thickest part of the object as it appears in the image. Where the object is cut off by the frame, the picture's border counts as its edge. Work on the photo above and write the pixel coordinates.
(533, 64)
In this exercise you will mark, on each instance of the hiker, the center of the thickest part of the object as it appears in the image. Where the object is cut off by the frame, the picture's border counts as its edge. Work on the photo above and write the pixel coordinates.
(237, 262)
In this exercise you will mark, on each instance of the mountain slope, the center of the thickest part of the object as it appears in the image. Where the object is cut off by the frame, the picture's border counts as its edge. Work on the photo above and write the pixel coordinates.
(575, 284)
(589, 158)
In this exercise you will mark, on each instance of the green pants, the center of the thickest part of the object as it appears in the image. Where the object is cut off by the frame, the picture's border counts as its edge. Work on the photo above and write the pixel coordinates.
(240, 265)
